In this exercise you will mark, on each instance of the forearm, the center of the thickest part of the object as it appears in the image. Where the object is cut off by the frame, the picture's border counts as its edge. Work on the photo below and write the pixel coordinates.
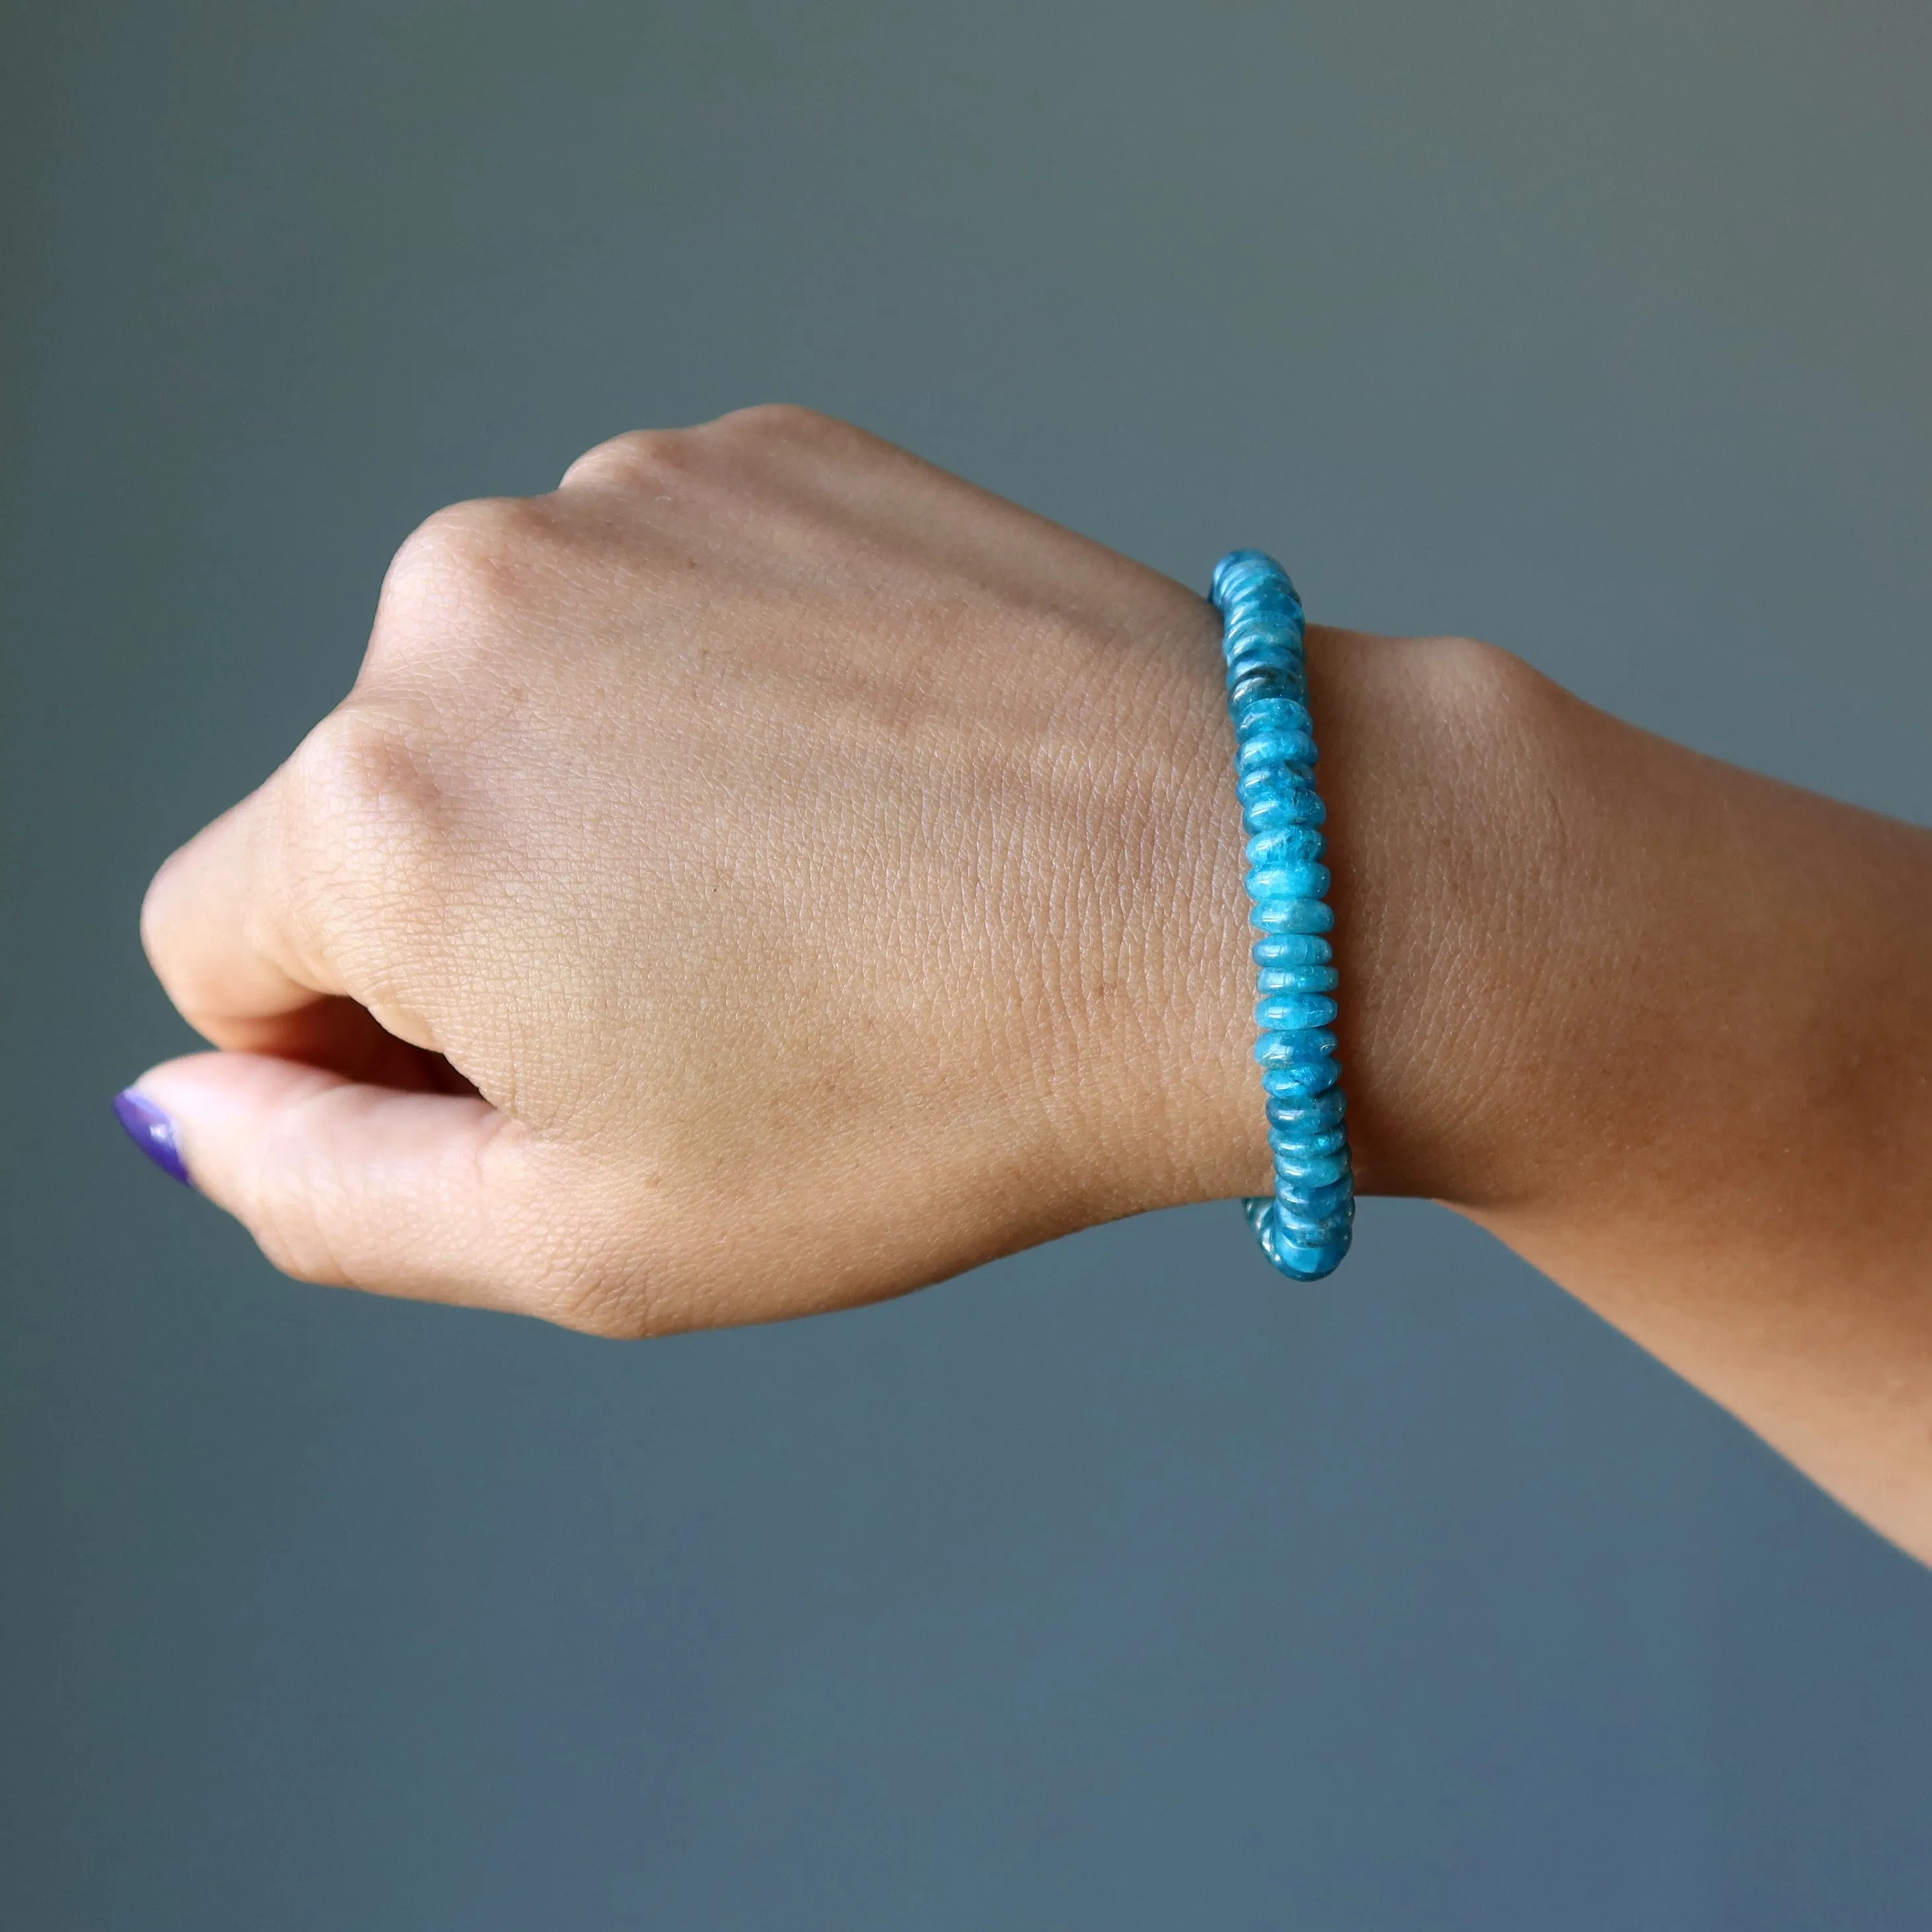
(1661, 1025)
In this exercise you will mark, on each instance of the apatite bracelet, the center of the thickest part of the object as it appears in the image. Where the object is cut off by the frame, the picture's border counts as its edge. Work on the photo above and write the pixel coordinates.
(1303, 1228)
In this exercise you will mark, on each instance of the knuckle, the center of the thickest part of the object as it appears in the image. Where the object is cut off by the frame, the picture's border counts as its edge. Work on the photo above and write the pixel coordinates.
(360, 765)
(464, 569)
(359, 826)
(656, 461)
(638, 460)
(781, 422)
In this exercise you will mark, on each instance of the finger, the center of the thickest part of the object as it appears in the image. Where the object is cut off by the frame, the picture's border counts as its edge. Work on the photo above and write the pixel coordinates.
(250, 973)
(217, 933)
(438, 1197)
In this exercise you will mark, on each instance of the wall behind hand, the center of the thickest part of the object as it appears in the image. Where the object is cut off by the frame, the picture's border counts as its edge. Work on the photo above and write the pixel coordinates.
(1117, 1586)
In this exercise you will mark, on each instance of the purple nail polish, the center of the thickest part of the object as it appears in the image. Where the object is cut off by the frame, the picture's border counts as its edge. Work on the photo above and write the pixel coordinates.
(153, 1132)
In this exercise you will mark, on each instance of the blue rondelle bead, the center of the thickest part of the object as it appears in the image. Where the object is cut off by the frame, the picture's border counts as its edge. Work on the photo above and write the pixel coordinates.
(1242, 566)
(1298, 1113)
(1297, 1081)
(1298, 1264)
(1304, 1170)
(1251, 683)
(1288, 1012)
(1253, 582)
(1290, 845)
(1272, 979)
(1264, 653)
(1294, 1049)
(1306, 1264)
(1296, 1156)
(1313, 1201)
(1257, 586)
(1261, 599)
(1289, 882)
(1260, 623)
(1256, 628)
(1271, 781)
(1292, 916)
(1314, 1220)
(1291, 949)
(1272, 810)
(1270, 751)
(1267, 712)
(1312, 1238)
(1257, 679)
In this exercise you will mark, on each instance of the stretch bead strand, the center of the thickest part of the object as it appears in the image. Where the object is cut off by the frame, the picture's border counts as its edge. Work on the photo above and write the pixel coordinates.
(1304, 1227)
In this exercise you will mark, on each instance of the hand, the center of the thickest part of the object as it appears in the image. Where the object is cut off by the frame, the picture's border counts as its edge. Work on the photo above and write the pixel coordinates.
(766, 874)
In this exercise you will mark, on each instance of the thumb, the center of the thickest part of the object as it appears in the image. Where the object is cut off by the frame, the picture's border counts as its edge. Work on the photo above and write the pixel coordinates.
(435, 1196)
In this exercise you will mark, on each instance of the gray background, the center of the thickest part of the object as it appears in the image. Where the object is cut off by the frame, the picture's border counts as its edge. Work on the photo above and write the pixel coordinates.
(1114, 1585)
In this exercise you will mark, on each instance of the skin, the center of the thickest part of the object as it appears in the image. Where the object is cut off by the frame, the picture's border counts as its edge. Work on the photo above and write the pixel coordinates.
(768, 874)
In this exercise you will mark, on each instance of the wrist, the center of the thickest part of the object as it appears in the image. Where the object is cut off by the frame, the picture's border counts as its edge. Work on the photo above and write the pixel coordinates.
(1440, 763)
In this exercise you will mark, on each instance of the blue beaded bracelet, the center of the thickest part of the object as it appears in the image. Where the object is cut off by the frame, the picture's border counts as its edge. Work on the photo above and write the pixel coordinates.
(1304, 1228)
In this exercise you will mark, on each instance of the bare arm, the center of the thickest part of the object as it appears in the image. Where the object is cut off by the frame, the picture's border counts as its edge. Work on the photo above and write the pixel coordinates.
(768, 874)
(1663, 1026)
